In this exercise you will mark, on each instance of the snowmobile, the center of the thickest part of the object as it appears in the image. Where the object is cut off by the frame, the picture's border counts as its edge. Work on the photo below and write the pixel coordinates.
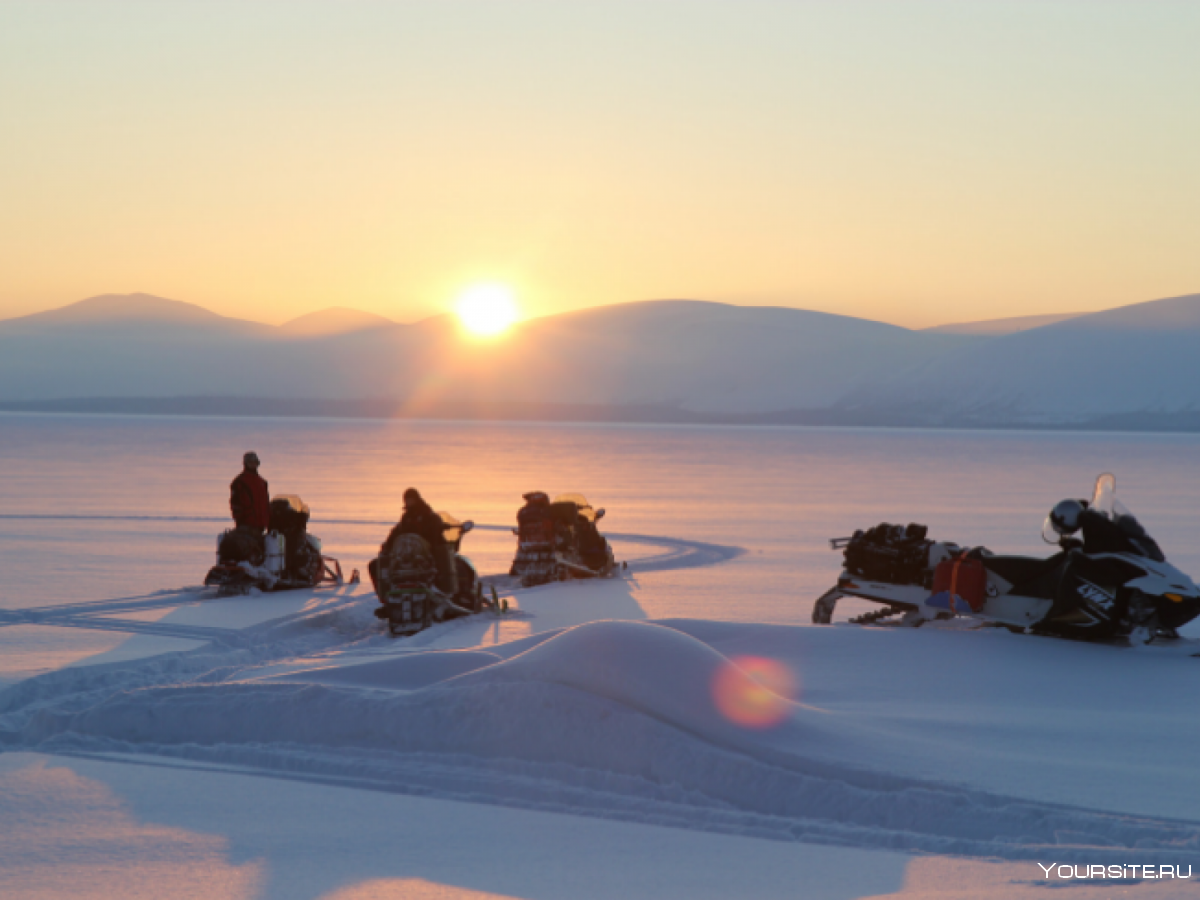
(286, 558)
(409, 599)
(562, 543)
(1111, 582)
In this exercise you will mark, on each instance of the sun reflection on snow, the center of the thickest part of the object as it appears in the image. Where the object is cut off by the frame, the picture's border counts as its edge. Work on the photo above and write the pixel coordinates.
(80, 838)
(754, 692)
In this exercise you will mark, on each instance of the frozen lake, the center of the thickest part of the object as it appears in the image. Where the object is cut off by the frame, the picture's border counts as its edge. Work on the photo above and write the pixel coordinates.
(135, 733)
(79, 493)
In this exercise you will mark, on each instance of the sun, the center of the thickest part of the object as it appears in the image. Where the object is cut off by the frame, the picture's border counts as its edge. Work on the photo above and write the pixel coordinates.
(486, 309)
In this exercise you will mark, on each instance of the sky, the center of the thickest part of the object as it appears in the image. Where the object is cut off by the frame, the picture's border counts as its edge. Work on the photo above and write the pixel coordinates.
(913, 162)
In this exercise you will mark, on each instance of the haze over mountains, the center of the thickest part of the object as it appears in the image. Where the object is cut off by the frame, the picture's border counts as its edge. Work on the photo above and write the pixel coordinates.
(663, 360)
(1135, 365)
(997, 327)
(335, 320)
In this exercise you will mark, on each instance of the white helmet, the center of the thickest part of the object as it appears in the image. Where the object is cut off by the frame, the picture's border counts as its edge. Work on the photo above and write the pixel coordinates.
(1065, 516)
(1063, 521)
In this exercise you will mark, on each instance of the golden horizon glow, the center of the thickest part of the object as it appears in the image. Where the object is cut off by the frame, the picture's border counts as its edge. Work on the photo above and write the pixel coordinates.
(968, 173)
(486, 310)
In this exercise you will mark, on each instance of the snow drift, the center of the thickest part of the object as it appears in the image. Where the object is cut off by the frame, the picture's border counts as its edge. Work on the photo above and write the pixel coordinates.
(610, 718)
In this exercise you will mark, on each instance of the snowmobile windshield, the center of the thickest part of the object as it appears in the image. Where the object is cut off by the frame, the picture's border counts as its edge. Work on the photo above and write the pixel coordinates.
(291, 500)
(1107, 526)
(583, 507)
(1105, 502)
(1104, 496)
(1128, 536)
(453, 528)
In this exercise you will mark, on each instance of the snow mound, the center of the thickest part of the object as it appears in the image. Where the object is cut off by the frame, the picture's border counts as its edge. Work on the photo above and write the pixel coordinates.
(616, 719)
(655, 670)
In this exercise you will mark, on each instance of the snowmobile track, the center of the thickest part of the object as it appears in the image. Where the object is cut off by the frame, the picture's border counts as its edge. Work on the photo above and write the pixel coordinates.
(676, 554)
(680, 553)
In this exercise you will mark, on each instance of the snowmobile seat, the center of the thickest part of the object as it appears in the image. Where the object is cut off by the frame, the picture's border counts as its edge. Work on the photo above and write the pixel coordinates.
(565, 512)
(1030, 576)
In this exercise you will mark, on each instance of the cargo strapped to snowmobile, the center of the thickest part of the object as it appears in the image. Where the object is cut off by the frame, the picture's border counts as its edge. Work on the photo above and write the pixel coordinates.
(959, 582)
(891, 553)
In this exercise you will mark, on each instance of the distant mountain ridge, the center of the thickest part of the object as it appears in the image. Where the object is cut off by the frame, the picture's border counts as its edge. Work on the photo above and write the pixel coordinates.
(1130, 362)
(997, 327)
(334, 320)
(141, 310)
(661, 360)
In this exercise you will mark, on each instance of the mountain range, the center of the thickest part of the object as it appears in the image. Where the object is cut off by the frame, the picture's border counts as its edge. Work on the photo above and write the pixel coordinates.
(657, 361)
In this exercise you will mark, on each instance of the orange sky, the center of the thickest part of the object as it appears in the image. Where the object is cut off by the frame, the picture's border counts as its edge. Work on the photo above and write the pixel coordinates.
(913, 162)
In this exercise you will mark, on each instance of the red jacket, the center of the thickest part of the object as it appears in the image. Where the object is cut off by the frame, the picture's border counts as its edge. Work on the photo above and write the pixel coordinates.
(249, 500)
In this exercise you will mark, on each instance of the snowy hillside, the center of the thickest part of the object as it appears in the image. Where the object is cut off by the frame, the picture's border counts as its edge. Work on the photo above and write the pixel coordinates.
(1134, 366)
(698, 356)
(1138, 359)
(708, 356)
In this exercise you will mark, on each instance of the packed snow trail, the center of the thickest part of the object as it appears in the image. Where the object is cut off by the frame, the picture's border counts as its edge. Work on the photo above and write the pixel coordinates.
(141, 603)
(681, 554)
(677, 554)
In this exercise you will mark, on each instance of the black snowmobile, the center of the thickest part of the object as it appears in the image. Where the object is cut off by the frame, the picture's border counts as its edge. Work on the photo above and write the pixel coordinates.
(405, 575)
(559, 540)
(285, 558)
(1108, 580)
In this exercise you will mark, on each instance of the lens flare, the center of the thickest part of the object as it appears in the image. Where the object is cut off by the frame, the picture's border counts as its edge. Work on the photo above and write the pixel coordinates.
(754, 692)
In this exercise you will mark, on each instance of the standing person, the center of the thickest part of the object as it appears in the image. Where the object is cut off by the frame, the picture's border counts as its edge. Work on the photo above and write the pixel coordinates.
(249, 499)
(420, 519)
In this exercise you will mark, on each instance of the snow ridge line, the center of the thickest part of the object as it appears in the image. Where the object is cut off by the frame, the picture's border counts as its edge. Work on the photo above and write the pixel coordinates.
(227, 636)
(157, 600)
(470, 782)
(479, 780)
(340, 626)
(683, 554)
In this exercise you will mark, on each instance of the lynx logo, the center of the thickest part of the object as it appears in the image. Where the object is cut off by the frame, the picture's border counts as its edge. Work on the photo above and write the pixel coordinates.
(1089, 591)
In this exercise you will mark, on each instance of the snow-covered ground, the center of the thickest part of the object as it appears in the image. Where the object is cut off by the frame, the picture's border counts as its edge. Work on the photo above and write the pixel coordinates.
(678, 732)
(558, 751)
